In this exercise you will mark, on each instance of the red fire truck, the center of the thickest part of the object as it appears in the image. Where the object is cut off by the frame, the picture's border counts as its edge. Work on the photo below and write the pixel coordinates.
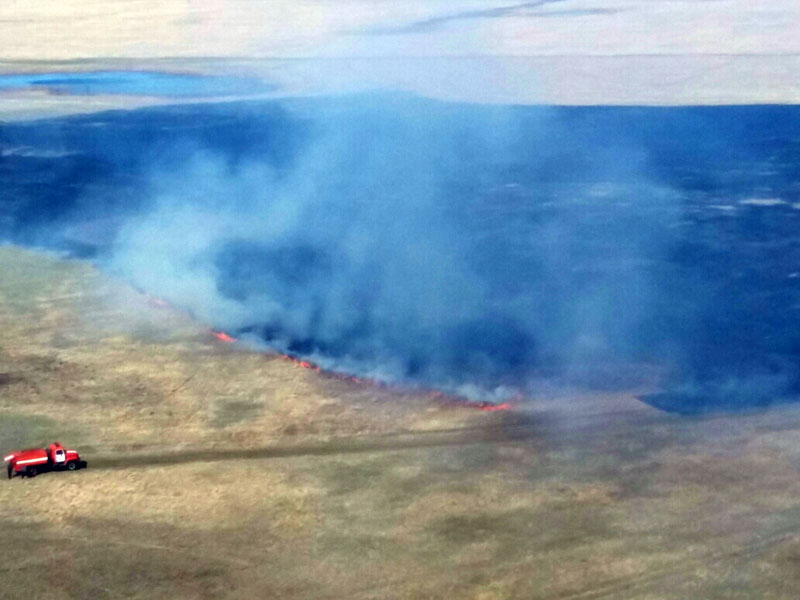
(28, 463)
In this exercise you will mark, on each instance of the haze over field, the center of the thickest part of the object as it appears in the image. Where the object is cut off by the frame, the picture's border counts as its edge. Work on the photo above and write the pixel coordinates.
(551, 51)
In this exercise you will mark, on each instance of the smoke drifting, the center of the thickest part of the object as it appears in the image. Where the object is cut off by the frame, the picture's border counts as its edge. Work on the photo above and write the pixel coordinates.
(408, 240)
(477, 249)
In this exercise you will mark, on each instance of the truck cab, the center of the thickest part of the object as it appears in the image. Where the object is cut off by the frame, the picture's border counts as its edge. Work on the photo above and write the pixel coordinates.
(57, 454)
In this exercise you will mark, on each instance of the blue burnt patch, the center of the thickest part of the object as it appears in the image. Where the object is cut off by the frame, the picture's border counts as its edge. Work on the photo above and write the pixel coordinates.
(137, 83)
(443, 244)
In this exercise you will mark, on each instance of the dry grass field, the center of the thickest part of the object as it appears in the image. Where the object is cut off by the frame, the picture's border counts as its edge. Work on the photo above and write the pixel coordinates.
(215, 472)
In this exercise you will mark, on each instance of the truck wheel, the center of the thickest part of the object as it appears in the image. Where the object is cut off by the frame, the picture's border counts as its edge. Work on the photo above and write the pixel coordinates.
(72, 465)
(10, 470)
(31, 471)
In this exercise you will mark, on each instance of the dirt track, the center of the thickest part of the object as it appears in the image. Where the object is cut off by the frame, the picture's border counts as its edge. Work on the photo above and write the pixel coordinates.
(512, 428)
(387, 442)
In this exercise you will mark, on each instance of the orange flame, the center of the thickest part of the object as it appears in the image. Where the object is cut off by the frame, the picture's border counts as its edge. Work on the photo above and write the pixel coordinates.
(484, 406)
(223, 337)
(305, 364)
(489, 407)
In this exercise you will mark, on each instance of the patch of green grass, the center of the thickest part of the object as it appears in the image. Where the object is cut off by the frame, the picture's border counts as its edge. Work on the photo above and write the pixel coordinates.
(231, 412)
(468, 529)
(39, 562)
(24, 431)
(345, 477)
(520, 531)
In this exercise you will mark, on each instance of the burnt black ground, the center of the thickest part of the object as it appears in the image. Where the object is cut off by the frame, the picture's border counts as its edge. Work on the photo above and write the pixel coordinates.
(664, 236)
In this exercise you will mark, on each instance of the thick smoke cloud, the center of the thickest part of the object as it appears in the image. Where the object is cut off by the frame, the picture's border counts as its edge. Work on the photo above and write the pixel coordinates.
(477, 249)
(414, 241)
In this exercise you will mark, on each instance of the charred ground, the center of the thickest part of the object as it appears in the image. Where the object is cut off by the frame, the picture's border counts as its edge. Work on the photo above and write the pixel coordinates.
(447, 244)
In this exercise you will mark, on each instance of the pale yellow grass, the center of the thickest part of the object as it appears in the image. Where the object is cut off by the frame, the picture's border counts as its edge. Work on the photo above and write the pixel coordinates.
(586, 497)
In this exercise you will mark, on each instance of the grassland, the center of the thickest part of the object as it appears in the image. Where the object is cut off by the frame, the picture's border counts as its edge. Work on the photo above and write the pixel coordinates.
(221, 473)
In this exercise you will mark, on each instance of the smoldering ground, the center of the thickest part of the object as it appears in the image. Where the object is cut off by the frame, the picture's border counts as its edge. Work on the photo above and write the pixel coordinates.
(473, 248)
